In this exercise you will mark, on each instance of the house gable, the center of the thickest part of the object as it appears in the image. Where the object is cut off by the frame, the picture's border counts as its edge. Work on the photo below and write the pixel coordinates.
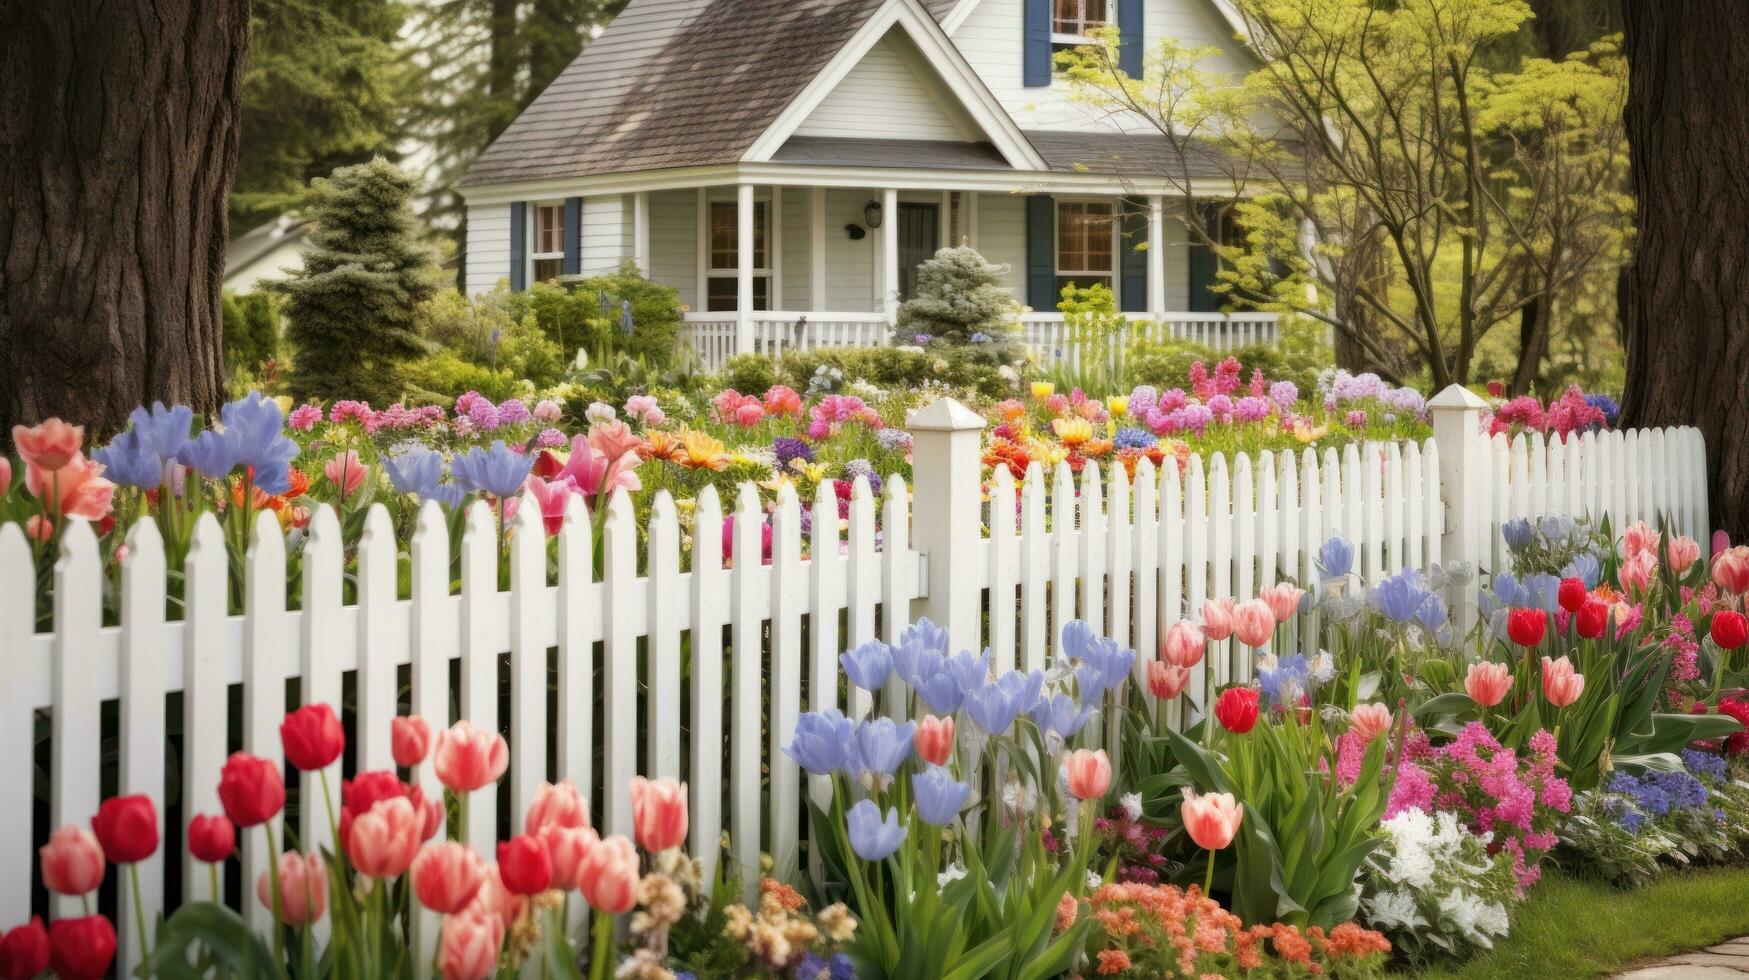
(892, 93)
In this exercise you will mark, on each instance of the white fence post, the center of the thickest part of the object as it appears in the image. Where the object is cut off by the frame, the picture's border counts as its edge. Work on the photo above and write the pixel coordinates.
(1457, 424)
(946, 522)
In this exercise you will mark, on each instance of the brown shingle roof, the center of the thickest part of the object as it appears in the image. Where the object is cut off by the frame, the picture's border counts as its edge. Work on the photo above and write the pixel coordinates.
(1122, 154)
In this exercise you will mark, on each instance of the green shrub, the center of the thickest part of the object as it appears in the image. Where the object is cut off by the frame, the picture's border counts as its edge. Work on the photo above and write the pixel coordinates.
(439, 378)
(572, 316)
(748, 373)
(1299, 358)
(960, 297)
(898, 368)
(250, 322)
(487, 334)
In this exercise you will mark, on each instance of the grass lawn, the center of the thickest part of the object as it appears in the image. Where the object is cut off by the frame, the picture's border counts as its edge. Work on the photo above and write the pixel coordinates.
(1574, 927)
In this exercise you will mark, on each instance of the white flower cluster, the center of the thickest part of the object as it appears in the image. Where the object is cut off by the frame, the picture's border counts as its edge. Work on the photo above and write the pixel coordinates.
(1431, 884)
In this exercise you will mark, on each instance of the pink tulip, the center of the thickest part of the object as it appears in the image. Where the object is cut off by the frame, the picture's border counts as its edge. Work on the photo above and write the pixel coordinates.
(558, 804)
(1636, 573)
(750, 415)
(48, 445)
(551, 497)
(471, 943)
(615, 440)
(1283, 600)
(1682, 553)
(1211, 821)
(447, 876)
(1638, 538)
(1561, 684)
(303, 888)
(608, 876)
(72, 860)
(1487, 683)
(467, 758)
(1721, 541)
(659, 813)
(1167, 681)
(495, 899)
(566, 849)
(1184, 644)
(409, 740)
(934, 739)
(384, 839)
(595, 474)
(1369, 721)
(1253, 623)
(5, 475)
(1217, 618)
(1731, 569)
(76, 489)
(347, 472)
(1089, 773)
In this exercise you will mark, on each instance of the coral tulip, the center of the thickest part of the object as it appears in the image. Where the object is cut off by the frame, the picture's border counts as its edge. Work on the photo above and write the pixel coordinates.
(1592, 619)
(1167, 681)
(72, 861)
(127, 827)
(1236, 709)
(1211, 820)
(5, 485)
(493, 897)
(24, 951)
(1573, 594)
(608, 877)
(1369, 721)
(1253, 623)
(1637, 538)
(312, 737)
(1184, 644)
(1089, 773)
(1526, 626)
(49, 445)
(1731, 570)
(251, 789)
(303, 888)
(211, 837)
(524, 866)
(382, 841)
(1561, 684)
(658, 813)
(1729, 629)
(347, 472)
(1217, 618)
(1487, 683)
(447, 875)
(82, 948)
(470, 946)
(409, 740)
(567, 847)
(559, 804)
(1681, 553)
(1283, 599)
(933, 741)
(467, 758)
(1636, 573)
(77, 489)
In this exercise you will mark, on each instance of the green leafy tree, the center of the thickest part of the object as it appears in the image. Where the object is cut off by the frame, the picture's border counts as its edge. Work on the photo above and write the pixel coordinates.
(251, 328)
(351, 309)
(960, 300)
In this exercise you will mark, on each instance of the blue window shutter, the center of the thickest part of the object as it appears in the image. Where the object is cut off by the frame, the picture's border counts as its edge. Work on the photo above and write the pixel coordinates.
(1131, 37)
(1204, 264)
(1134, 263)
(573, 261)
(1037, 60)
(1041, 253)
(518, 246)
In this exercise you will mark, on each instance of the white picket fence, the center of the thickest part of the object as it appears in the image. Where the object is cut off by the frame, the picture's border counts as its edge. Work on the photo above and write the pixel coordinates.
(702, 673)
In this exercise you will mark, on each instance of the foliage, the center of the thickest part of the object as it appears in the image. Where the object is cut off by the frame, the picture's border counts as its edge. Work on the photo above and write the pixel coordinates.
(591, 316)
(1098, 332)
(1435, 889)
(350, 309)
(960, 301)
(1635, 824)
(251, 330)
(1298, 358)
(482, 345)
(940, 366)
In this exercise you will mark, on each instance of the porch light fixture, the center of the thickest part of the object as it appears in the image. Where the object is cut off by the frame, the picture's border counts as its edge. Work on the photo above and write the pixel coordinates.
(871, 214)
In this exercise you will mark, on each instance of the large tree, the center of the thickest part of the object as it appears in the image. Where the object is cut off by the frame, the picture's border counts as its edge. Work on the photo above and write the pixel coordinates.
(119, 120)
(1686, 299)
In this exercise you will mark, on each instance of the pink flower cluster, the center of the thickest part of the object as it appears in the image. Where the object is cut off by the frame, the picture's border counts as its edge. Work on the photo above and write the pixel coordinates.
(1224, 382)
(730, 406)
(1493, 790)
(1565, 415)
(394, 418)
(834, 411)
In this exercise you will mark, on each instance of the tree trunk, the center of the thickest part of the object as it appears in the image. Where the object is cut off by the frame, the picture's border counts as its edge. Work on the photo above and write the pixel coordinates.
(120, 128)
(1686, 316)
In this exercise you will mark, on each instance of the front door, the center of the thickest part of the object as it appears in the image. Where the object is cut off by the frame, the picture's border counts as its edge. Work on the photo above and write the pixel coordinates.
(919, 237)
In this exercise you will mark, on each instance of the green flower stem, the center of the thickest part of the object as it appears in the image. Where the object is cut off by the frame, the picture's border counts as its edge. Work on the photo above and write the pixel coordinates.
(1208, 878)
(140, 919)
(273, 887)
(601, 948)
(212, 871)
(333, 827)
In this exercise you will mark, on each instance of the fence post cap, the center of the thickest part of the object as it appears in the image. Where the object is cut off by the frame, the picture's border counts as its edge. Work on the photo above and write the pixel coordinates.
(1456, 396)
(944, 415)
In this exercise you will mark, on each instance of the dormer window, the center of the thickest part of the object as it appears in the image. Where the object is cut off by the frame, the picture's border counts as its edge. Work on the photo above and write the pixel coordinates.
(1073, 20)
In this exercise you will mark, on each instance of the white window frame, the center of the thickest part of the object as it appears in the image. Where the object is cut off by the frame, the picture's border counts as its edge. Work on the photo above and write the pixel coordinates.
(534, 255)
(1060, 38)
(760, 204)
(1114, 274)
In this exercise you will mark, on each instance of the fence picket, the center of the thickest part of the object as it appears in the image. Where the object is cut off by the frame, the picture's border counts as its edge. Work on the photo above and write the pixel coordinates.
(1118, 559)
(826, 568)
(264, 673)
(1004, 569)
(144, 663)
(789, 599)
(1062, 554)
(529, 608)
(1146, 631)
(481, 628)
(18, 679)
(1196, 564)
(746, 700)
(709, 613)
(619, 660)
(433, 645)
(382, 642)
(320, 665)
(206, 670)
(1244, 538)
(1220, 552)
(865, 581)
(1034, 570)
(1092, 533)
(668, 618)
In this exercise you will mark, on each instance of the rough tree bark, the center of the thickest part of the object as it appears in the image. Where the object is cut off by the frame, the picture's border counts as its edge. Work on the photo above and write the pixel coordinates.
(1686, 318)
(120, 127)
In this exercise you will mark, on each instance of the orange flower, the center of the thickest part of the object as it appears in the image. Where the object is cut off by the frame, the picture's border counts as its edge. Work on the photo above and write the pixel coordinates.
(300, 483)
(665, 446)
(1113, 961)
(701, 452)
(258, 499)
(786, 896)
(1096, 448)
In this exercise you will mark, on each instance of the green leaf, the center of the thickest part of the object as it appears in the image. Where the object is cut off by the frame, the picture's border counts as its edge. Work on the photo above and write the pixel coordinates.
(221, 934)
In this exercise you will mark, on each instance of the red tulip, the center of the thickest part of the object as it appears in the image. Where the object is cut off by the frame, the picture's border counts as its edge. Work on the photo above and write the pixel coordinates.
(470, 945)
(211, 838)
(934, 739)
(252, 789)
(608, 877)
(312, 737)
(524, 865)
(1236, 709)
(1526, 626)
(127, 827)
(72, 861)
(383, 840)
(467, 758)
(359, 794)
(1089, 773)
(24, 952)
(409, 740)
(447, 875)
(1573, 594)
(1592, 619)
(1729, 629)
(82, 948)
(558, 804)
(5, 485)
(658, 813)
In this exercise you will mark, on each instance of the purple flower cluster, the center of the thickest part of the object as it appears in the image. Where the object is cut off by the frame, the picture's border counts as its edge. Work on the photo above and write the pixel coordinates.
(788, 450)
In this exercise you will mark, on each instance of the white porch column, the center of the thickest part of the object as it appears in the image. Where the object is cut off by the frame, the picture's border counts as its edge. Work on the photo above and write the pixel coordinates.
(744, 216)
(890, 253)
(817, 248)
(1156, 255)
(703, 238)
(641, 231)
(774, 248)
(945, 236)
(969, 201)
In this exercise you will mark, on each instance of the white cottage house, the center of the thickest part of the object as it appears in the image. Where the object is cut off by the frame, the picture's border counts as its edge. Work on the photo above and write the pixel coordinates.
(786, 164)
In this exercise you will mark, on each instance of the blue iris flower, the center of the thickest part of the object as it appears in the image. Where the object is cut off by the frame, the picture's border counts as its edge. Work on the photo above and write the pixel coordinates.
(414, 470)
(823, 742)
(883, 745)
(872, 836)
(1400, 597)
(130, 461)
(1510, 592)
(968, 671)
(1060, 713)
(1335, 558)
(1131, 437)
(1542, 591)
(1584, 567)
(1283, 680)
(253, 436)
(928, 674)
(1557, 528)
(939, 796)
(164, 430)
(496, 471)
(1517, 533)
(869, 665)
(1432, 614)
(925, 632)
(995, 705)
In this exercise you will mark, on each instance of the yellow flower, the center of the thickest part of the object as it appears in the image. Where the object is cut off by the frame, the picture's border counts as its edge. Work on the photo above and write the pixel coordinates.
(1072, 431)
(1043, 389)
(1118, 405)
(809, 472)
(698, 451)
(1305, 433)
